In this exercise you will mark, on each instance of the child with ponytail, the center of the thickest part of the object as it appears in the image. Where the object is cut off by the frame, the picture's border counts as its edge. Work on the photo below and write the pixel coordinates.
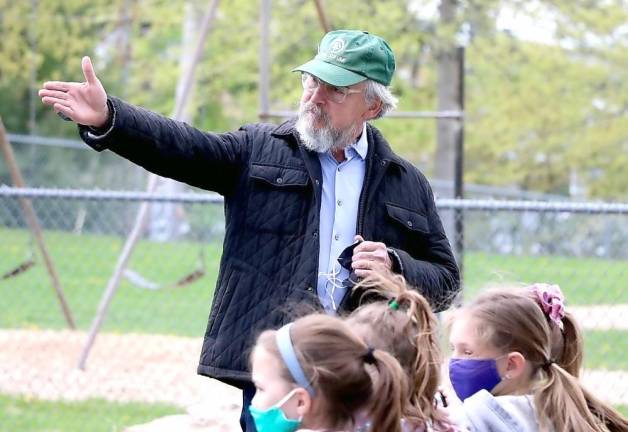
(316, 374)
(516, 357)
(401, 322)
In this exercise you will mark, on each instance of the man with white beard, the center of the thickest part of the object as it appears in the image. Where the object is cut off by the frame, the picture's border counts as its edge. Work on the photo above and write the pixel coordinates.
(311, 205)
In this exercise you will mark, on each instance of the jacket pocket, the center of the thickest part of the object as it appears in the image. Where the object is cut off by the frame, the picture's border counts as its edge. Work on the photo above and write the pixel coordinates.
(411, 220)
(279, 176)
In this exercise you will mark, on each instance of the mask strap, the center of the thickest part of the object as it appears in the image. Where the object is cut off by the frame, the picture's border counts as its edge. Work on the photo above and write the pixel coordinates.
(289, 356)
(285, 399)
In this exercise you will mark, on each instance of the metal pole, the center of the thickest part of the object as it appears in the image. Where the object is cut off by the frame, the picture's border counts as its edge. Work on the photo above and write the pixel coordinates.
(459, 166)
(264, 59)
(185, 86)
(33, 223)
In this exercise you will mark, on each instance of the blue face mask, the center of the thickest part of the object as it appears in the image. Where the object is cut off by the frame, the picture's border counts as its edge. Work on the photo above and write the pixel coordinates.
(273, 419)
(469, 376)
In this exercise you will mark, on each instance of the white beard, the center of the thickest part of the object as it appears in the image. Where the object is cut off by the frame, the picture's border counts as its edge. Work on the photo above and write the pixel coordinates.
(326, 137)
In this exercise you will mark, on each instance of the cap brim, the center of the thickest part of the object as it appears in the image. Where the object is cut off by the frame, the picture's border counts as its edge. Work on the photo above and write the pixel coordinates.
(330, 73)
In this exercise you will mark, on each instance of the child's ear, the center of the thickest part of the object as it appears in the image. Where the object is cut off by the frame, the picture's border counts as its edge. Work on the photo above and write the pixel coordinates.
(304, 402)
(515, 365)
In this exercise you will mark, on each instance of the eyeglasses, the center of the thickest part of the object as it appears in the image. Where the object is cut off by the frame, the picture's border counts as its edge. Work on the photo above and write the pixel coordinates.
(333, 93)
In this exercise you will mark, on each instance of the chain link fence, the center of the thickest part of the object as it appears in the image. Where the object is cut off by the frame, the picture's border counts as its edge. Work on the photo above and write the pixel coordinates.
(151, 334)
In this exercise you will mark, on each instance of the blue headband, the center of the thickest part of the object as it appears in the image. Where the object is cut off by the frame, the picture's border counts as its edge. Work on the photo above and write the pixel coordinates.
(286, 349)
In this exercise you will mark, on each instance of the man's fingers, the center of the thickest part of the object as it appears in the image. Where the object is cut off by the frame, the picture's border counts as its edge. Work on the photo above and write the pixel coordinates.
(366, 264)
(368, 246)
(64, 109)
(60, 85)
(53, 93)
(363, 274)
(88, 71)
(54, 101)
(367, 256)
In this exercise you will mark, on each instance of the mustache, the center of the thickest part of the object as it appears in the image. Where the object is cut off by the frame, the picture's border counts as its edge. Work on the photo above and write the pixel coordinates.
(312, 108)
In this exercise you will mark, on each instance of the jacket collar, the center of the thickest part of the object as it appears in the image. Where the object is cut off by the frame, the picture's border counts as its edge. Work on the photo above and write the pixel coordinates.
(378, 146)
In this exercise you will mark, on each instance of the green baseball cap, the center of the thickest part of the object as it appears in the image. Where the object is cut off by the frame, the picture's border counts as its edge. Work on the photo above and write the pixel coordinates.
(347, 57)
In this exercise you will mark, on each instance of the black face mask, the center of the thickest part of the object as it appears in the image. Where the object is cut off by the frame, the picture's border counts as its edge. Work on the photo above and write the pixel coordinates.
(352, 298)
(345, 260)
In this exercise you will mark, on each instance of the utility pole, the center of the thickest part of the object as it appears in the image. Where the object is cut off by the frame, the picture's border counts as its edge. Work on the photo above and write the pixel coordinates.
(450, 132)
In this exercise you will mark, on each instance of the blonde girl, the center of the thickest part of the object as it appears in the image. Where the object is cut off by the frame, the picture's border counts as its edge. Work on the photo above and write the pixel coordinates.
(401, 322)
(315, 373)
(516, 358)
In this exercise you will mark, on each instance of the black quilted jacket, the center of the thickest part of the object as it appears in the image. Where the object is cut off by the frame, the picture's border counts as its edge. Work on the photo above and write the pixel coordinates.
(272, 189)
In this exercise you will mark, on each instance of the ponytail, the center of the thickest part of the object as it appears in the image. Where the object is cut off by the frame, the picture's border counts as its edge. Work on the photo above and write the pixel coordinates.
(567, 406)
(389, 393)
(567, 345)
(400, 320)
(560, 399)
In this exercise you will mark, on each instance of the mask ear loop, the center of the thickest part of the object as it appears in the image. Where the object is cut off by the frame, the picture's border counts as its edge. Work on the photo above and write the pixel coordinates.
(332, 279)
(283, 400)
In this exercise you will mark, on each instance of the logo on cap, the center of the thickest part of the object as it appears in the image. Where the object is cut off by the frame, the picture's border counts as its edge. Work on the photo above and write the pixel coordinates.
(337, 45)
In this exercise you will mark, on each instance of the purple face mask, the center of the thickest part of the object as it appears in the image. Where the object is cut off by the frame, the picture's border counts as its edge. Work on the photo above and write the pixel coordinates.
(469, 376)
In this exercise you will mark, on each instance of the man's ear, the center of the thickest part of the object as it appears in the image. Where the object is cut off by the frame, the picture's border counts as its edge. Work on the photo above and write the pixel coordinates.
(373, 110)
(515, 365)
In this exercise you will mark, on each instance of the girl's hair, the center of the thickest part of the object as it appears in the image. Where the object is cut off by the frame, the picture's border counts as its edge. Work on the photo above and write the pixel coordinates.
(346, 374)
(404, 325)
(513, 320)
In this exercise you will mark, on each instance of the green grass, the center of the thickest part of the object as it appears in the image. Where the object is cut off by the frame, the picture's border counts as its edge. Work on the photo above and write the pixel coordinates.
(86, 262)
(94, 415)
(606, 349)
(584, 281)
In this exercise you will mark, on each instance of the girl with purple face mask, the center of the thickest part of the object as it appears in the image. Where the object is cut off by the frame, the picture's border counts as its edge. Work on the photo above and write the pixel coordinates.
(516, 356)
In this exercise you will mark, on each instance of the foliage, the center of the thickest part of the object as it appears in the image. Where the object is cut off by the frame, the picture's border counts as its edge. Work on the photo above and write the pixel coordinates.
(539, 114)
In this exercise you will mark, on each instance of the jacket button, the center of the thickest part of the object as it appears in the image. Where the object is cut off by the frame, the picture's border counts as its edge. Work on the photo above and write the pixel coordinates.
(409, 223)
(317, 182)
(279, 180)
(315, 234)
(310, 289)
(383, 163)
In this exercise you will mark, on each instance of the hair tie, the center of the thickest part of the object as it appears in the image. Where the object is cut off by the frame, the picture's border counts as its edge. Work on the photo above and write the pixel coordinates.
(393, 304)
(548, 363)
(369, 358)
(552, 302)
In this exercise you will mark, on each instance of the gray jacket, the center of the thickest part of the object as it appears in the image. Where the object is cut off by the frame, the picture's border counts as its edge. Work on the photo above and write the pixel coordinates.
(484, 412)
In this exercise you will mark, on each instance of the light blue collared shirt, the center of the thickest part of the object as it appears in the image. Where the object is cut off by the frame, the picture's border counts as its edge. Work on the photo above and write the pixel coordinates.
(342, 186)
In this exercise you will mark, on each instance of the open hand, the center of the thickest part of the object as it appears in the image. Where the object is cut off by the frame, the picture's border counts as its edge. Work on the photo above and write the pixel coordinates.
(84, 103)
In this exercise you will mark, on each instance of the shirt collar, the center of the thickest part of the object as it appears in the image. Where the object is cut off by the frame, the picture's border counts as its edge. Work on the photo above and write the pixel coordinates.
(360, 147)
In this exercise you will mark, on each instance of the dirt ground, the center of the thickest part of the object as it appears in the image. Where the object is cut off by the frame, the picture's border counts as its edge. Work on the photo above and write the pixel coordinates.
(129, 367)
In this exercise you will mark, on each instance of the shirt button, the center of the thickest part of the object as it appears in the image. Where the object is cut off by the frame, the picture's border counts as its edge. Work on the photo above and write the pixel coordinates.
(338, 169)
(279, 180)
(337, 237)
(409, 223)
(339, 202)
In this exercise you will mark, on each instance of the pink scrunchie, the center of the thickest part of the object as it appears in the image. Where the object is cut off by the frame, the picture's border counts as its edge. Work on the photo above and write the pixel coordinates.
(551, 300)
